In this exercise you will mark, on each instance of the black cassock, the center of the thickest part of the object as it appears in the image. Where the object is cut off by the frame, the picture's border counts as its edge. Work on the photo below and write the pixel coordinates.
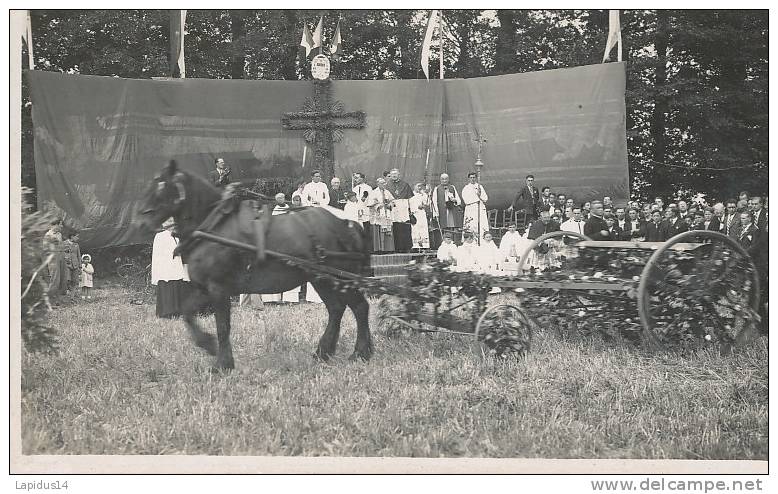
(401, 231)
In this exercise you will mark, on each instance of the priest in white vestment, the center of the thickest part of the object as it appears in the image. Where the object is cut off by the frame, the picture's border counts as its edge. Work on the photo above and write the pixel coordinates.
(474, 196)
(315, 192)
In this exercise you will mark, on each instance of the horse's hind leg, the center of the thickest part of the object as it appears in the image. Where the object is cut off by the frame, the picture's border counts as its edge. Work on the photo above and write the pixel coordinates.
(194, 303)
(221, 306)
(335, 304)
(361, 309)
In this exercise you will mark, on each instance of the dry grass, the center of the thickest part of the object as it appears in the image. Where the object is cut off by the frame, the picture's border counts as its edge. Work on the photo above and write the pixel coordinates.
(128, 383)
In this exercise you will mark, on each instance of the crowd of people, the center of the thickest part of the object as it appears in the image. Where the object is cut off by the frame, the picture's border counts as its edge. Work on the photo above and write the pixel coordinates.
(399, 218)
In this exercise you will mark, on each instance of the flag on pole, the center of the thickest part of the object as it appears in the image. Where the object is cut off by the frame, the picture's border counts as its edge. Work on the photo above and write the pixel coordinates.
(307, 41)
(317, 33)
(27, 37)
(336, 50)
(177, 65)
(425, 46)
(614, 35)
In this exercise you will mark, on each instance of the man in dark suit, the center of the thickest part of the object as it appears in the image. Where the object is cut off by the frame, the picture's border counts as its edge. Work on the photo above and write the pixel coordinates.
(710, 221)
(220, 177)
(542, 226)
(757, 210)
(632, 225)
(673, 225)
(528, 199)
(731, 219)
(595, 227)
(749, 234)
(614, 231)
(653, 231)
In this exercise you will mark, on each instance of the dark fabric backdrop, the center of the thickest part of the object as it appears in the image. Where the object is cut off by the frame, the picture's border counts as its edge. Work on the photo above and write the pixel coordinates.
(100, 140)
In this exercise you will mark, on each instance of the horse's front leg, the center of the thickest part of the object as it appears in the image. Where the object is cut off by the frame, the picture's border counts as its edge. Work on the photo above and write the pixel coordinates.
(221, 306)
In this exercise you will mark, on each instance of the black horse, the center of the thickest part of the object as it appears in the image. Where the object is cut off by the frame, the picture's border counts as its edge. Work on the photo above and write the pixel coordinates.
(218, 271)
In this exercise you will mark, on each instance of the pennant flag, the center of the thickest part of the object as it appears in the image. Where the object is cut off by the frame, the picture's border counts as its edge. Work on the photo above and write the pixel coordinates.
(425, 46)
(27, 38)
(614, 35)
(177, 65)
(307, 41)
(317, 33)
(336, 50)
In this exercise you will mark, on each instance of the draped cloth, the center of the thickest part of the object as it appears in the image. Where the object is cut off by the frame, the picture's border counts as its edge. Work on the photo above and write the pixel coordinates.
(100, 140)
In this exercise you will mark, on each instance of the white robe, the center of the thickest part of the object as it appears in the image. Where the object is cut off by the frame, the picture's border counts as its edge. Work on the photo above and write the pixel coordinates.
(475, 205)
(165, 267)
(488, 257)
(420, 231)
(447, 252)
(354, 211)
(467, 260)
(512, 244)
(315, 194)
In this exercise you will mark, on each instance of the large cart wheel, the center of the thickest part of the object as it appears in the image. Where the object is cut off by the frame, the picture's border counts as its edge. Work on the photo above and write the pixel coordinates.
(561, 236)
(503, 330)
(700, 287)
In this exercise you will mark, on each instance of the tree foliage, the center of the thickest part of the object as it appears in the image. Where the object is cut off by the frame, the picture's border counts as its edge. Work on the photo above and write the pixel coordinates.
(37, 337)
(697, 80)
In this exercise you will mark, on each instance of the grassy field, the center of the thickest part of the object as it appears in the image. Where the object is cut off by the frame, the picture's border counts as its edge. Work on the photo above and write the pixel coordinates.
(125, 382)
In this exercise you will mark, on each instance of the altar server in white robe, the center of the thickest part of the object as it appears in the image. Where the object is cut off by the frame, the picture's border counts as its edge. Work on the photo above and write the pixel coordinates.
(488, 258)
(419, 203)
(293, 295)
(488, 255)
(354, 209)
(315, 192)
(467, 260)
(448, 249)
(474, 196)
(510, 243)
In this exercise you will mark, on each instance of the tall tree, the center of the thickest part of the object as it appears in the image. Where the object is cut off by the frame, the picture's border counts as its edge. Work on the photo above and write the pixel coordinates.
(238, 34)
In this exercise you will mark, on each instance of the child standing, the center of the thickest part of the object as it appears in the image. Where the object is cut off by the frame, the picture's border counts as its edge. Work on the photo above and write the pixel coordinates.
(87, 271)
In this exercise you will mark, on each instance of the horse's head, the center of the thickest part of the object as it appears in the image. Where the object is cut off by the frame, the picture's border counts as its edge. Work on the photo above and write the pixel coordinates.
(165, 196)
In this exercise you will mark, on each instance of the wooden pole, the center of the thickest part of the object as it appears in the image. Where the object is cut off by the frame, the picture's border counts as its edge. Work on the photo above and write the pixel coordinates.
(440, 33)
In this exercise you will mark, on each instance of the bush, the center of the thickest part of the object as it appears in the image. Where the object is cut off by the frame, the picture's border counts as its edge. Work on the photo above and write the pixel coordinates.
(35, 303)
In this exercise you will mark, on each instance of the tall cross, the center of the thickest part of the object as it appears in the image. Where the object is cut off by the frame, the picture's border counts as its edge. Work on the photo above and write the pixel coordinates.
(323, 122)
